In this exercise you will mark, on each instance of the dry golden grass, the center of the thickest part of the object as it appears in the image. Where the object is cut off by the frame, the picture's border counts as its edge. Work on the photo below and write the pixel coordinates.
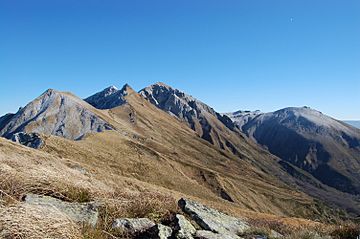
(22, 221)
(25, 171)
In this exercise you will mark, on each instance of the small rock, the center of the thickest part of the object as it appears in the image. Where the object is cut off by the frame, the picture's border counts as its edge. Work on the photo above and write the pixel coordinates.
(165, 232)
(133, 225)
(185, 230)
(211, 235)
(78, 212)
(32, 140)
(212, 220)
(80, 169)
(158, 232)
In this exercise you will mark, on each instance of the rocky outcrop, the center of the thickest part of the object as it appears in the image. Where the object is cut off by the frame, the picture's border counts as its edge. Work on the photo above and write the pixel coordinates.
(212, 220)
(178, 103)
(214, 224)
(184, 229)
(133, 226)
(158, 232)
(56, 113)
(164, 232)
(32, 140)
(85, 213)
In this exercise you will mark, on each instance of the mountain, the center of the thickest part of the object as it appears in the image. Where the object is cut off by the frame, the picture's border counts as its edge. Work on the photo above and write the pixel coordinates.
(109, 98)
(151, 149)
(54, 113)
(5, 119)
(355, 123)
(326, 148)
(147, 143)
(217, 129)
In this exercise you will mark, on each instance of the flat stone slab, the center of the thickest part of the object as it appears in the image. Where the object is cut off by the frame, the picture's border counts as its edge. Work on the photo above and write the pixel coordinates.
(184, 228)
(158, 232)
(133, 225)
(78, 212)
(212, 220)
(165, 232)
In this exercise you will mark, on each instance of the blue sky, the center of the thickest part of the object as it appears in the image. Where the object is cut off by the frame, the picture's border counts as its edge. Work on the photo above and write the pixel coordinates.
(240, 54)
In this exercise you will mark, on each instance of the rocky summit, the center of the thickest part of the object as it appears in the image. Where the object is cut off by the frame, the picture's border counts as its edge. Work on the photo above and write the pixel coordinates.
(109, 98)
(55, 113)
(203, 119)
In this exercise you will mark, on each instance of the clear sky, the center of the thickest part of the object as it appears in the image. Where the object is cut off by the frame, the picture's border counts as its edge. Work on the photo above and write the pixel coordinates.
(240, 54)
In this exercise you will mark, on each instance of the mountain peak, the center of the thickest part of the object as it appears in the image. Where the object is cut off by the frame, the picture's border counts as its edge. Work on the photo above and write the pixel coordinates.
(49, 92)
(111, 89)
(54, 113)
(110, 97)
(159, 83)
(127, 88)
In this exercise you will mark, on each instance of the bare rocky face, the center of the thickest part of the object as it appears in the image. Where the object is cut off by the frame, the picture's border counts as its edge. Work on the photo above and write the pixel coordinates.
(55, 113)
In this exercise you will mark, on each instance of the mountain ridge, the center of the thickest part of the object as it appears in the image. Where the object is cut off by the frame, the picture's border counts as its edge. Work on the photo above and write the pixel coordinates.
(159, 122)
(311, 140)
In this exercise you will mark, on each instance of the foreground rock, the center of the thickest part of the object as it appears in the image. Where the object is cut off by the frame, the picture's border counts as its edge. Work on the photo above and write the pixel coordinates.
(86, 213)
(158, 232)
(133, 226)
(32, 140)
(212, 220)
(211, 235)
(185, 230)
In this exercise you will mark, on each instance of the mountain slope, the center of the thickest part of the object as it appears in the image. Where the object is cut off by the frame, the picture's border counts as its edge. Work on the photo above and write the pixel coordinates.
(154, 143)
(224, 135)
(55, 113)
(217, 129)
(310, 140)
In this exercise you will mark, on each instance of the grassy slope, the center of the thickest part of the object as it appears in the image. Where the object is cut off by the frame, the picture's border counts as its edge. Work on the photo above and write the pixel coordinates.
(160, 150)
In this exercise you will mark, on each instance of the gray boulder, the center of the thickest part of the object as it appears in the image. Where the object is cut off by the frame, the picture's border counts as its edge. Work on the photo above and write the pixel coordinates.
(32, 140)
(86, 213)
(165, 232)
(158, 232)
(133, 225)
(212, 220)
(184, 229)
(211, 235)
